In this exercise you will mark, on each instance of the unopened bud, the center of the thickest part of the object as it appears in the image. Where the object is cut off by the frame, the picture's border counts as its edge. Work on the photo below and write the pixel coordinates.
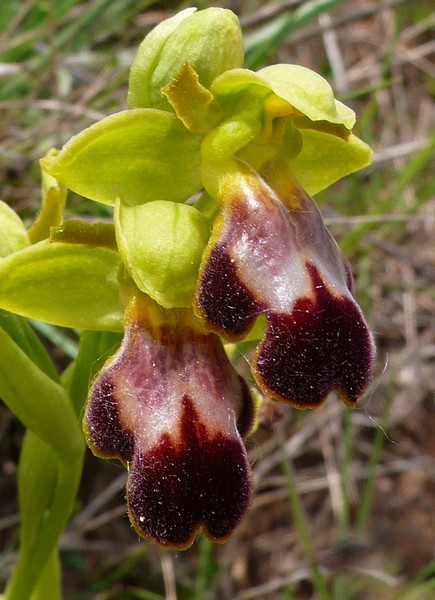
(209, 40)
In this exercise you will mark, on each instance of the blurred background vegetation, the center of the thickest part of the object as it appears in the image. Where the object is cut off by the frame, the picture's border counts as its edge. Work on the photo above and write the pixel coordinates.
(344, 501)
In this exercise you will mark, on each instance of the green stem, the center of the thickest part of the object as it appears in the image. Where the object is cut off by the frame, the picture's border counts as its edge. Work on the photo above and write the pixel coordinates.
(301, 523)
(48, 586)
(34, 556)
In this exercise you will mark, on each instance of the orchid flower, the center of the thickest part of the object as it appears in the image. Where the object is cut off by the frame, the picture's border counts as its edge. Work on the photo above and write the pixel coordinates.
(171, 406)
(215, 239)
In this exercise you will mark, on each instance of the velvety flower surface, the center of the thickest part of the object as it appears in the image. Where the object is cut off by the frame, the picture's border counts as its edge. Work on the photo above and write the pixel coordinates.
(272, 255)
(171, 406)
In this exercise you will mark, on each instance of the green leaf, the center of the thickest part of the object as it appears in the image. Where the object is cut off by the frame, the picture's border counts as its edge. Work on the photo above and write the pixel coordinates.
(71, 285)
(137, 155)
(161, 244)
(13, 234)
(23, 335)
(326, 158)
(49, 584)
(39, 403)
(47, 487)
(37, 474)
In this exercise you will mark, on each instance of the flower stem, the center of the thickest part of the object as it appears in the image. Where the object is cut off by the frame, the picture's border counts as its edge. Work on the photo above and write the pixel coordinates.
(33, 557)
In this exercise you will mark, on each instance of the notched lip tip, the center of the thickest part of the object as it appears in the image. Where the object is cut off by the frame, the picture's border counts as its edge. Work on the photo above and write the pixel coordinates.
(200, 530)
(300, 405)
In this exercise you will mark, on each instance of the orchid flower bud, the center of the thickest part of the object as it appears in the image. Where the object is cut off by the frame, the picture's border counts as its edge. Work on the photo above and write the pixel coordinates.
(209, 40)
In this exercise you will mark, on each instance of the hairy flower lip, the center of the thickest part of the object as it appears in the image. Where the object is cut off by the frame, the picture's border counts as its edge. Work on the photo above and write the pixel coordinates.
(222, 300)
(171, 407)
(270, 254)
(198, 482)
(287, 364)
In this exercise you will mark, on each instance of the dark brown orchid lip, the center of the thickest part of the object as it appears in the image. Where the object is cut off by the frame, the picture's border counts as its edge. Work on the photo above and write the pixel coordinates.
(171, 407)
(229, 306)
(321, 346)
(195, 482)
(278, 260)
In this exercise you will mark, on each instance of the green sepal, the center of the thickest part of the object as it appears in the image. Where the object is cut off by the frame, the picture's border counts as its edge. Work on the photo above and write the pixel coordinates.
(325, 159)
(210, 40)
(241, 91)
(13, 234)
(37, 401)
(161, 244)
(137, 155)
(299, 119)
(71, 285)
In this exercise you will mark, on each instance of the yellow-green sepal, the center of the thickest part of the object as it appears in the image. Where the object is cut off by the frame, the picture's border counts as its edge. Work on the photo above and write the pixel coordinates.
(67, 284)
(137, 155)
(161, 245)
(325, 158)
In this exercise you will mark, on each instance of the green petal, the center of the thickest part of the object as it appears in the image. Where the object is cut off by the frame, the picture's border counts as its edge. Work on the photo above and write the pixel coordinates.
(137, 155)
(53, 205)
(13, 234)
(193, 103)
(71, 285)
(228, 86)
(161, 244)
(325, 159)
(308, 92)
